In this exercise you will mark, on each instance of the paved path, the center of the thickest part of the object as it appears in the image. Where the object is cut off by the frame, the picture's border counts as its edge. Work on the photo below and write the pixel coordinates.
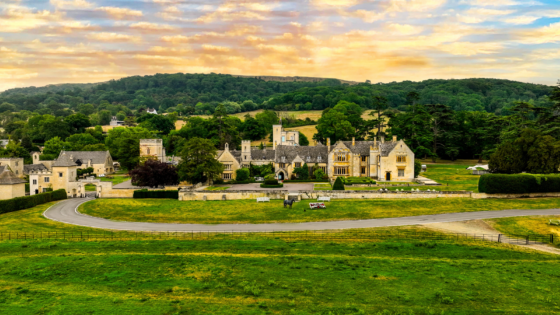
(66, 211)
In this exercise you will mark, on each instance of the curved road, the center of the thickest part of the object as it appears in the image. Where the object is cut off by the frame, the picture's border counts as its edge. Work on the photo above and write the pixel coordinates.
(67, 212)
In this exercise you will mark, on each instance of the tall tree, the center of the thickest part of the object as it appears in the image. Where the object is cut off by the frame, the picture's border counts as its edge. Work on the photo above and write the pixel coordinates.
(154, 173)
(198, 161)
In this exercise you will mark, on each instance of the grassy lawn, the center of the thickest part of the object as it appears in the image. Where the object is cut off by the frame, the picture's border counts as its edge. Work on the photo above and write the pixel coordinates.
(249, 211)
(213, 188)
(526, 225)
(90, 187)
(274, 277)
(453, 177)
(322, 186)
(117, 179)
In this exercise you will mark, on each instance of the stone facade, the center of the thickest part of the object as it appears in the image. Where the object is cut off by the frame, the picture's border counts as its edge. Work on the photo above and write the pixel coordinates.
(15, 164)
(391, 161)
(11, 186)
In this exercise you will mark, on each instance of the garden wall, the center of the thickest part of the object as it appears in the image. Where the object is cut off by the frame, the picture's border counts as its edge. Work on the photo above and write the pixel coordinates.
(313, 195)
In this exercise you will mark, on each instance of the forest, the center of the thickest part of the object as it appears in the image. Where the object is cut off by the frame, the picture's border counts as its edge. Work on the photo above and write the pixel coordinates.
(438, 119)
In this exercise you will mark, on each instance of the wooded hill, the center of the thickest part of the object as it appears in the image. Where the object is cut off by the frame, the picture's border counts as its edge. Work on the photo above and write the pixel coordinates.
(201, 93)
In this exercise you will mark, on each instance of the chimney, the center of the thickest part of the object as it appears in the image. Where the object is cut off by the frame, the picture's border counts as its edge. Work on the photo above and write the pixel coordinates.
(329, 144)
(275, 144)
(394, 138)
(382, 139)
(353, 141)
(375, 142)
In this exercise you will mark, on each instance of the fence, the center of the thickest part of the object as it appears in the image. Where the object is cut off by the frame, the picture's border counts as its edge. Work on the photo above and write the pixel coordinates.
(336, 235)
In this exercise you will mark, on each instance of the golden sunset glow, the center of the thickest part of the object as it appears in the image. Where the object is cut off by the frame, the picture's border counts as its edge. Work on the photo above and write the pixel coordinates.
(70, 41)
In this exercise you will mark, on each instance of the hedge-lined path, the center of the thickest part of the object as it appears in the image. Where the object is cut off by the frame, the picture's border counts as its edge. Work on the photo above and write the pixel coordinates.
(67, 212)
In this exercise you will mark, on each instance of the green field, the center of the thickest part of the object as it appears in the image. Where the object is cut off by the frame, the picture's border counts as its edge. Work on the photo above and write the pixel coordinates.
(116, 179)
(249, 211)
(453, 177)
(275, 277)
(526, 225)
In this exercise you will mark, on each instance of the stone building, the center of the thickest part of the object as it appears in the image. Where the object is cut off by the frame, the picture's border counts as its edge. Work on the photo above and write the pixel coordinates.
(11, 186)
(384, 161)
(152, 148)
(62, 175)
(15, 164)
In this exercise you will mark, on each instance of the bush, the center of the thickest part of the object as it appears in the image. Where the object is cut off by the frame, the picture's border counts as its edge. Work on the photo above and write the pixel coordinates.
(417, 168)
(156, 194)
(271, 181)
(218, 181)
(518, 183)
(357, 180)
(242, 174)
(21, 203)
(338, 185)
(278, 185)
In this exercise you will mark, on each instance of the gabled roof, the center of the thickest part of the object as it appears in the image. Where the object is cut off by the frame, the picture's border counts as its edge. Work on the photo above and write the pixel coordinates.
(307, 154)
(96, 157)
(64, 160)
(387, 147)
(33, 168)
(263, 154)
(359, 147)
(7, 177)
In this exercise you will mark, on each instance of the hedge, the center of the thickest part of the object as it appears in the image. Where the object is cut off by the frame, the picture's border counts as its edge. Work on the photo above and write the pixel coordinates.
(156, 194)
(306, 181)
(27, 202)
(357, 180)
(518, 183)
(280, 185)
(338, 185)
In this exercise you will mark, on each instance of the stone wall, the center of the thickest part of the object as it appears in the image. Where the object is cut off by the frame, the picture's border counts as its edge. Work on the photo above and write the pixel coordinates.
(512, 196)
(313, 195)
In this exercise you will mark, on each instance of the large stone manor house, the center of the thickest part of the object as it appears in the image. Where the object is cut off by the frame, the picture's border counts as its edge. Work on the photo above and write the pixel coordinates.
(381, 160)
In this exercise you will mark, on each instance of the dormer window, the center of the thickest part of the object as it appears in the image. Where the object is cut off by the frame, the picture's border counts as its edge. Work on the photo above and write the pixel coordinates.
(319, 158)
(308, 158)
(283, 159)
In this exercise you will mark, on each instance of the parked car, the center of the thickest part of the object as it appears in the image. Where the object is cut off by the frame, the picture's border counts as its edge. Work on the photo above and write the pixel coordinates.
(101, 175)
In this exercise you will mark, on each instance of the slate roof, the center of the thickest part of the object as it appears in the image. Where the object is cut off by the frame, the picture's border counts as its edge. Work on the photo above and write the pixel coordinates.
(33, 167)
(291, 152)
(64, 160)
(263, 154)
(362, 147)
(96, 157)
(236, 154)
(8, 177)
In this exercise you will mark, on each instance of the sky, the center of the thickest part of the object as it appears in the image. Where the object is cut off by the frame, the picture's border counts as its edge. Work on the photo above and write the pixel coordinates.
(83, 41)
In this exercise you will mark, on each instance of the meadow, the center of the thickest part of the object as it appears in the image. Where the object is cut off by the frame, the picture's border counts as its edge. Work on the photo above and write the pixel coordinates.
(248, 211)
(275, 277)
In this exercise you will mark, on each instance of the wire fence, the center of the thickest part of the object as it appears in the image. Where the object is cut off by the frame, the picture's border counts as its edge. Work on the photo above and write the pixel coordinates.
(324, 235)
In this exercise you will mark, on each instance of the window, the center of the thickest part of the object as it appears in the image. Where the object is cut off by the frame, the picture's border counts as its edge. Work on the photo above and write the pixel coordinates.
(401, 173)
(341, 170)
(227, 166)
(364, 158)
(245, 166)
(245, 157)
(226, 176)
(283, 139)
(17, 172)
(401, 158)
(17, 163)
(298, 164)
(319, 158)
(341, 157)
(282, 165)
(363, 170)
(59, 174)
(34, 182)
(44, 190)
(46, 179)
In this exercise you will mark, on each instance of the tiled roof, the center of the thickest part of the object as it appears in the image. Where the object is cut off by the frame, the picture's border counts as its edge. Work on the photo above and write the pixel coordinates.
(64, 160)
(362, 147)
(316, 154)
(33, 167)
(96, 157)
(7, 177)
(263, 154)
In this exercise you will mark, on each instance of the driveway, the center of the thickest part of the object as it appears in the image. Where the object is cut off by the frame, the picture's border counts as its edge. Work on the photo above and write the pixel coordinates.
(288, 187)
(67, 211)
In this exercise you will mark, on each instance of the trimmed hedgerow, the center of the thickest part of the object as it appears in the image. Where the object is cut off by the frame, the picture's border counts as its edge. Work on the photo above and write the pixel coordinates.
(518, 183)
(156, 194)
(27, 202)
(338, 185)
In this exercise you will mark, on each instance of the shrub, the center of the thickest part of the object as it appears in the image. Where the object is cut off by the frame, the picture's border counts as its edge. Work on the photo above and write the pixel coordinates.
(338, 185)
(242, 174)
(156, 194)
(21, 203)
(272, 181)
(218, 181)
(417, 168)
(319, 174)
(518, 183)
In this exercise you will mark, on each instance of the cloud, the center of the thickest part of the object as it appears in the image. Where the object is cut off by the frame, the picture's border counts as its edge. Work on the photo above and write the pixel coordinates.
(404, 29)
(414, 5)
(71, 4)
(120, 13)
(113, 37)
(21, 19)
(335, 3)
(147, 26)
(546, 34)
(471, 49)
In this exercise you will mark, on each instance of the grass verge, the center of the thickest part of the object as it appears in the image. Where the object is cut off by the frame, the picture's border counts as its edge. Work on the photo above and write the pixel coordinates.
(249, 211)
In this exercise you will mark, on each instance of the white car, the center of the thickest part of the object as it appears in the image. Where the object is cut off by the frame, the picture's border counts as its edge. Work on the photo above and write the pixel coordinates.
(102, 175)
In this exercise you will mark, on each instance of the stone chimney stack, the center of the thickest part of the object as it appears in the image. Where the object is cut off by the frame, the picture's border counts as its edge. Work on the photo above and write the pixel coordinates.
(353, 141)
(329, 144)
(375, 142)
(394, 138)
(382, 139)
